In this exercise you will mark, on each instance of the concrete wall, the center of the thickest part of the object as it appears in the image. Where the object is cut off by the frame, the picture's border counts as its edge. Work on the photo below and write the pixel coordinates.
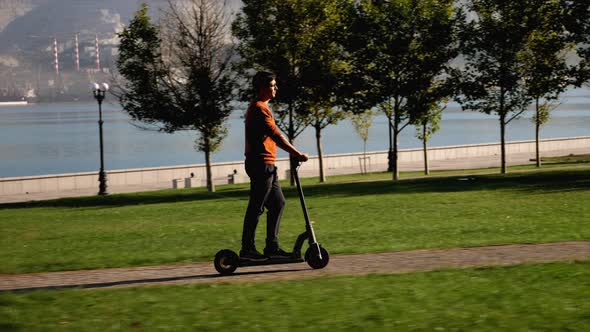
(333, 164)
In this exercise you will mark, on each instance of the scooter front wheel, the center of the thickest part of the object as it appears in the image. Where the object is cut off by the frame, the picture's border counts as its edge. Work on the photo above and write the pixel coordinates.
(226, 262)
(313, 260)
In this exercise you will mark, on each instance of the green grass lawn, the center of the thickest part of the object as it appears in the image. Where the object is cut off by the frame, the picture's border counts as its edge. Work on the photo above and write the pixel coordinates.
(352, 216)
(544, 297)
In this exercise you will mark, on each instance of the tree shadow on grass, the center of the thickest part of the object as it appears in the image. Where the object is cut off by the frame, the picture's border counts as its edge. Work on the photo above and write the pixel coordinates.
(530, 183)
(142, 198)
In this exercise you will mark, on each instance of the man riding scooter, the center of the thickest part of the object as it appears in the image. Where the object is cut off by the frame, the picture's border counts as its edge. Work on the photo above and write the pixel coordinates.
(262, 138)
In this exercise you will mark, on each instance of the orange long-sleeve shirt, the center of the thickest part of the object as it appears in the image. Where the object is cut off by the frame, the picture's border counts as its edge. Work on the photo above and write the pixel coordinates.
(262, 134)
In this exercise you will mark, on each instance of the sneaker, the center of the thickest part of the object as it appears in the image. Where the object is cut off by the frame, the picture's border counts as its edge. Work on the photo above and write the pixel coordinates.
(277, 253)
(252, 255)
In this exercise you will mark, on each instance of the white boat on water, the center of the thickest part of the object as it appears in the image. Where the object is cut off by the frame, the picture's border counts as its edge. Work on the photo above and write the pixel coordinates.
(18, 100)
(14, 103)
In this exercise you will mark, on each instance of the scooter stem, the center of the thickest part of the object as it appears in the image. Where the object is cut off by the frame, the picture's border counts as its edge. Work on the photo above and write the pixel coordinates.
(312, 239)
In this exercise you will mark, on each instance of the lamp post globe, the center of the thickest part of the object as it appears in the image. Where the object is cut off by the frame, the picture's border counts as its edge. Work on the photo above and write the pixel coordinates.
(99, 92)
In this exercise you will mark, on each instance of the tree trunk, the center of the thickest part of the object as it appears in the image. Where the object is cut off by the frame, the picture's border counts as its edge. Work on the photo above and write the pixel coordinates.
(210, 184)
(396, 122)
(390, 151)
(425, 148)
(365, 156)
(503, 142)
(318, 140)
(502, 132)
(537, 130)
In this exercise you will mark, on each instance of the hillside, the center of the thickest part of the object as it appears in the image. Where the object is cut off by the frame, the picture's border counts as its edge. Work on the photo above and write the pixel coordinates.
(26, 23)
(28, 29)
(62, 19)
(12, 9)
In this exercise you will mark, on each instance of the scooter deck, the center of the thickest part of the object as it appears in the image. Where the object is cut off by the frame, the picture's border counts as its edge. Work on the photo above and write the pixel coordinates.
(270, 261)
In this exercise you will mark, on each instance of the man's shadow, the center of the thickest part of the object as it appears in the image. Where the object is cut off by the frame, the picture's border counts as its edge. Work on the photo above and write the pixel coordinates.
(147, 281)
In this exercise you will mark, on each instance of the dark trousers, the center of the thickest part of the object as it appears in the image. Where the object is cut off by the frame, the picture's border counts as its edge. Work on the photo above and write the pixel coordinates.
(265, 192)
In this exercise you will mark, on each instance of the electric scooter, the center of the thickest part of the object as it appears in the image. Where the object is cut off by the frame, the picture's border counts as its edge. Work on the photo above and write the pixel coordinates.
(227, 261)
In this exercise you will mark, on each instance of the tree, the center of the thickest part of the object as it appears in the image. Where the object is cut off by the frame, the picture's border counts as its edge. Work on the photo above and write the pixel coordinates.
(177, 75)
(362, 123)
(397, 48)
(321, 117)
(577, 23)
(541, 117)
(271, 38)
(425, 108)
(491, 42)
(299, 41)
(427, 121)
(545, 71)
(324, 67)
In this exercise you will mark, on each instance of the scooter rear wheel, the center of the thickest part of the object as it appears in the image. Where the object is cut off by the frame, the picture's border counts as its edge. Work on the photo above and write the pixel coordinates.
(226, 262)
(314, 261)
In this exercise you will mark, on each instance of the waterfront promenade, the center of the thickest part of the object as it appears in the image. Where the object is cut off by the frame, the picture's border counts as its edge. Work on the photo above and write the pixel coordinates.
(464, 163)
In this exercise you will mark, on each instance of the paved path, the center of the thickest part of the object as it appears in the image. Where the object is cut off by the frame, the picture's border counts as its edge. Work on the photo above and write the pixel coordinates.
(390, 262)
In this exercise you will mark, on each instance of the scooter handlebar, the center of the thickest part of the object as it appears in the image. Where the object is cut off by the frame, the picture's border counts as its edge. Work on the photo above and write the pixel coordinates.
(299, 163)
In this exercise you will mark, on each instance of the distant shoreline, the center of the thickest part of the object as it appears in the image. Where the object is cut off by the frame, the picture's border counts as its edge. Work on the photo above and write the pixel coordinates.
(55, 138)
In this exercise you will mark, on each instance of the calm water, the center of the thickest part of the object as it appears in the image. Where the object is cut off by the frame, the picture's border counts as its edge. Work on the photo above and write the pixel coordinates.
(62, 138)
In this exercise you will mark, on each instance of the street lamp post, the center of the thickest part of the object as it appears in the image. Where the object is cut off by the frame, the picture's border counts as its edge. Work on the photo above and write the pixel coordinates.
(99, 91)
(390, 155)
